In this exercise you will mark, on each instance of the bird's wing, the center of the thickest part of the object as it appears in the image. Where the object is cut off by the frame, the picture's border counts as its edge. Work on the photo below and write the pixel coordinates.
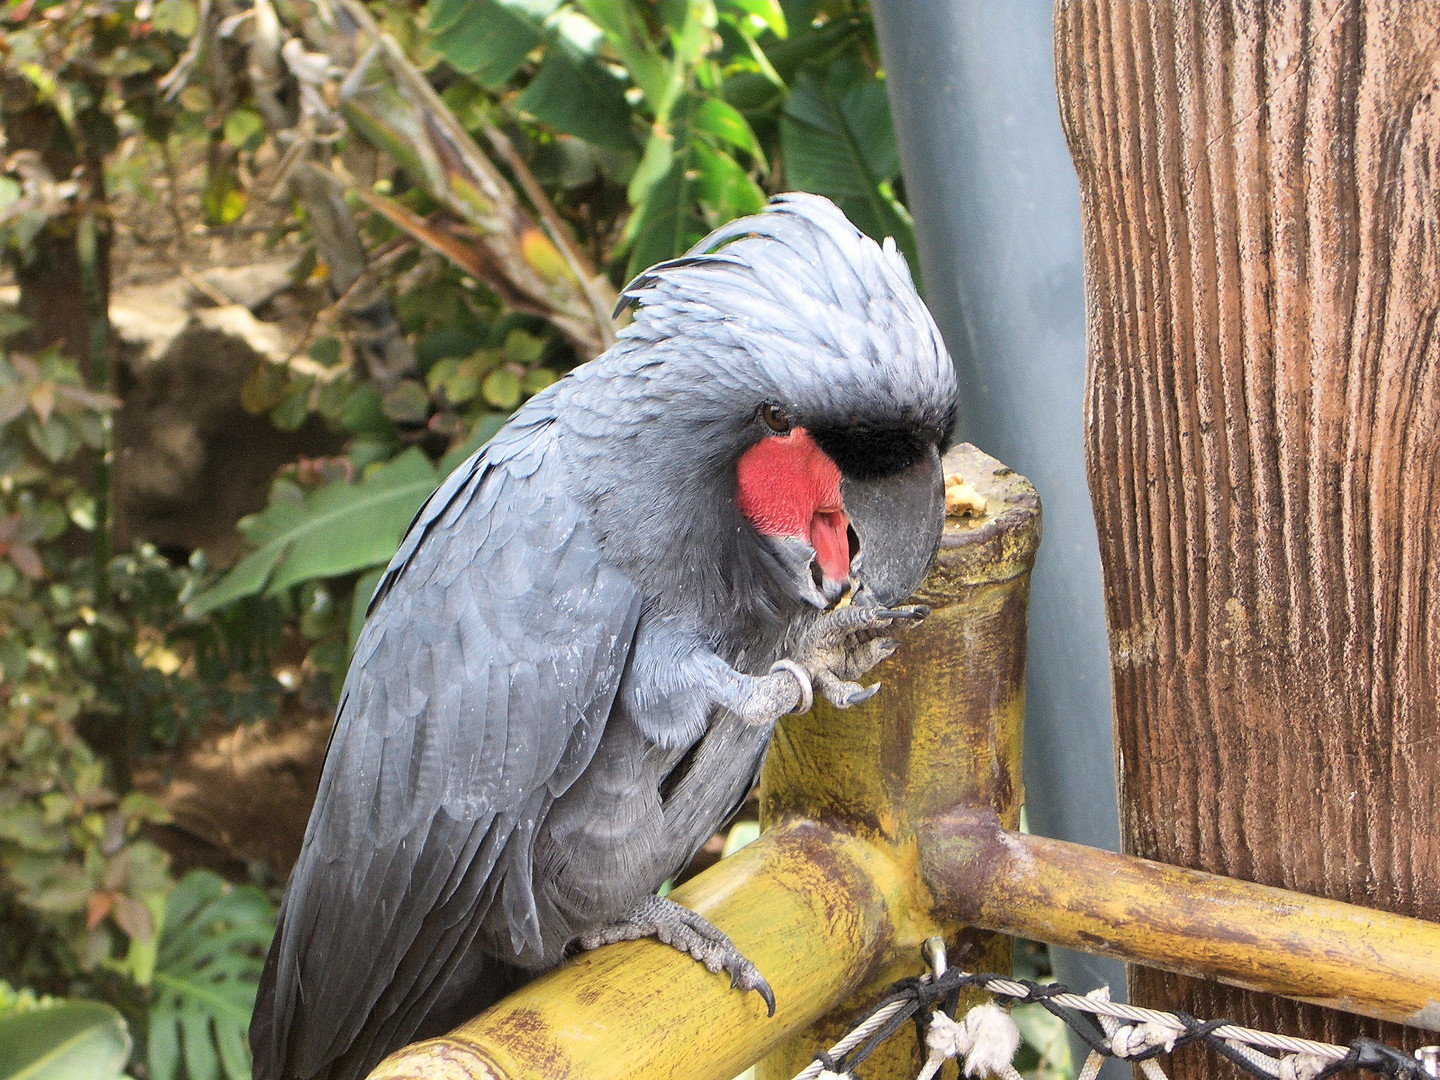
(478, 691)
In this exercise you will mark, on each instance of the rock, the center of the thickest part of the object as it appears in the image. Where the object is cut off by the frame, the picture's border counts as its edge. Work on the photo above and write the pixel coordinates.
(189, 460)
(146, 318)
(253, 286)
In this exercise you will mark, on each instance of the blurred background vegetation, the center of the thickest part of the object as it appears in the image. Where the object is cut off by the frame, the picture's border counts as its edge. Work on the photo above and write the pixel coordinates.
(272, 269)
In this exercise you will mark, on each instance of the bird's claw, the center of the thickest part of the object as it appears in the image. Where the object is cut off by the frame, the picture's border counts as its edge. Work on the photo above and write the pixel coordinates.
(843, 694)
(683, 929)
(844, 644)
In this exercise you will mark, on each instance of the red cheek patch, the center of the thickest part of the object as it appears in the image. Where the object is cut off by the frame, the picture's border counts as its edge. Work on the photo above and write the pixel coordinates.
(787, 486)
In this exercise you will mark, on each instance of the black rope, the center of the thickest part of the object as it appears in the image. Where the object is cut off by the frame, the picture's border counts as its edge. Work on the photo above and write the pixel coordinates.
(920, 994)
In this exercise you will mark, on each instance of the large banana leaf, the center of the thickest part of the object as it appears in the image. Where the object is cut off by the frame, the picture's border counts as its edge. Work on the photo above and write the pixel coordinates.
(837, 141)
(334, 530)
(489, 41)
(69, 1040)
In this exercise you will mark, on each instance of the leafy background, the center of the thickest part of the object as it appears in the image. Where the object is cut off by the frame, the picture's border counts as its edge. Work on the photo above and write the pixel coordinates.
(465, 186)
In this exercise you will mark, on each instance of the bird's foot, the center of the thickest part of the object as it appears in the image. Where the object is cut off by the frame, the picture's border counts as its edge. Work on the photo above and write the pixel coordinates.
(843, 645)
(681, 928)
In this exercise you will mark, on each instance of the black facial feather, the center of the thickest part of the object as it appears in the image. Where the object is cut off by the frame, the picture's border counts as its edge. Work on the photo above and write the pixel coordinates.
(864, 452)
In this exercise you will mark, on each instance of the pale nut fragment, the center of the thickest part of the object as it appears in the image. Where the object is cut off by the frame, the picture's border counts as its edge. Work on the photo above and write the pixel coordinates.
(962, 500)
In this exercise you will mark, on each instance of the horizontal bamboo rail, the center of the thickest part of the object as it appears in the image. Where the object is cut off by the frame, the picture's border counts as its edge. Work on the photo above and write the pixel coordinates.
(1252, 936)
(816, 910)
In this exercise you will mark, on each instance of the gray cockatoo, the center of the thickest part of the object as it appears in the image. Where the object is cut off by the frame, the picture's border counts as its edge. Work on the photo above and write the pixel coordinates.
(572, 667)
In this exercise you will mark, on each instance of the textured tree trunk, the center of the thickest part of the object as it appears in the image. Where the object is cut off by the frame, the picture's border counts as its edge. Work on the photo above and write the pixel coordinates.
(1262, 243)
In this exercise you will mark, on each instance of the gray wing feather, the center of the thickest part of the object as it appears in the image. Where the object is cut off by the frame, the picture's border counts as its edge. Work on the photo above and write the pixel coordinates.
(478, 692)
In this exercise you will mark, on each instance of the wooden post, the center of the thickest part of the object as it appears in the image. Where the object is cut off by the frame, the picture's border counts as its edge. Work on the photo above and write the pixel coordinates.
(1262, 242)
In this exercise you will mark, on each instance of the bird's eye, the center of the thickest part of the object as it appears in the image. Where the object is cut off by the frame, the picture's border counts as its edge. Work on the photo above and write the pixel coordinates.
(776, 418)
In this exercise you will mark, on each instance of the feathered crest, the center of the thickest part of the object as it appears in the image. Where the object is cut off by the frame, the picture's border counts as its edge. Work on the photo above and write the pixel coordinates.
(829, 317)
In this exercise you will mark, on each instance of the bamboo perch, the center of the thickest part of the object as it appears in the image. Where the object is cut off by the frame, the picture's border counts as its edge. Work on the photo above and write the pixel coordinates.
(815, 909)
(1186, 921)
(822, 912)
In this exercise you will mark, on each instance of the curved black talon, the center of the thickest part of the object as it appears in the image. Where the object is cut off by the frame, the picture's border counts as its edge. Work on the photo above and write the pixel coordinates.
(763, 989)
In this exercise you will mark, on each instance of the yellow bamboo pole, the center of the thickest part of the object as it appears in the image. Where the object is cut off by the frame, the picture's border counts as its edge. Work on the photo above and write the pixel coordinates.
(945, 728)
(1186, 921)
(815, 909)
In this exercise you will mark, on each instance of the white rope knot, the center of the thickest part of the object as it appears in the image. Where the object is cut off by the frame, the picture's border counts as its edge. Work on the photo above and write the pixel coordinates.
(1301, 1066)
(945, 1036)
(1133, 1040)
(826, 1074)
(988, 1038)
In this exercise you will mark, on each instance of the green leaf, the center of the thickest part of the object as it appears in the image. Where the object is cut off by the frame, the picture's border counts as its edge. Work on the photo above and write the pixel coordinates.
(180, 17)
(724, 122)
(624, 27)
(489, 41)
(244, 129)
(763, 14)
(741, 833)
(836, 131)
(723, 186)
(523, 347)
(212, 949)
(54, 438)
(837, 140)
(580, 97)
(408, 402)
(667, 224)
(224, 200)
(25, 824)
(336, 530)
(501, 388)
(655, 163)
(780, 61)
(71, 1040)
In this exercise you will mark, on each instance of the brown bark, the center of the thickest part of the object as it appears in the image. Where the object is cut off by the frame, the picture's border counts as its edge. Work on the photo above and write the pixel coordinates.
(1262, 243)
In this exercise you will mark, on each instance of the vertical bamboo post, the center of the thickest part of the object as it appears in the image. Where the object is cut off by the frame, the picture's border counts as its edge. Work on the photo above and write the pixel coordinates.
(1260, 208)
(945, 728)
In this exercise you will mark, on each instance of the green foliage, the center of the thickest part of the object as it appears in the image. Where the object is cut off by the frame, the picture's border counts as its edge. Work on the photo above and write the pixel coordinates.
(80, 63)
(682, 104)
(838, 142)
(335, 530)
(72, 863)
(212, 949)
(46, 1039)
(658, 122)
(100, 645)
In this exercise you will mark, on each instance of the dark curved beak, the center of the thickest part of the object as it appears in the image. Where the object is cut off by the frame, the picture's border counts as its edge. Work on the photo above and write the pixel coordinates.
(899, 520)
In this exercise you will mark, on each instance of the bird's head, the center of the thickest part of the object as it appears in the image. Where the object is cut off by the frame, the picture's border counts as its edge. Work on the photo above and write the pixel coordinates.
(788, 397)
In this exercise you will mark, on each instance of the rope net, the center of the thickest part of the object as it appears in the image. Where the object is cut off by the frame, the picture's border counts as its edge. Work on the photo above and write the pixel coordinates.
(985, 1039)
